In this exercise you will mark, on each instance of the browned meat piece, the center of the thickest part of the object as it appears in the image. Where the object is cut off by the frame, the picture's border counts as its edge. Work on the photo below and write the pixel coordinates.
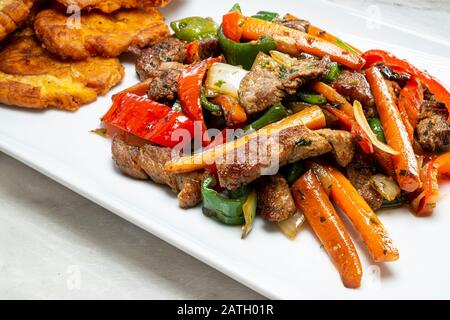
(165, 87)
(167, 50)
(354, 86)
(259, 90)
(125, 157)
(299, 24)
(262, 88)
(275, 202)
(433, 131)
(209, 48)
(342, 143)
(259, 157)
(359, 173)
(147, 161)
(400, 77)
(153, 158)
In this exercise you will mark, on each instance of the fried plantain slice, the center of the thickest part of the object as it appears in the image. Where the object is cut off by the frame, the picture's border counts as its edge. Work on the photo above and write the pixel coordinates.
(31, 77)
(98, 34)
(109, 6)
(12, 14)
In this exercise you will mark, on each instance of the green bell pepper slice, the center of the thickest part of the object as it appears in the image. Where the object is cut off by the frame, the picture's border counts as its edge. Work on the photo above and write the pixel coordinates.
(377, 128)
(243, 54)
(194, 28)
(211, 107)
(226, 210)
(333, 74)
(312, 98)
(267, 15)
(294, 171)
(274, 114)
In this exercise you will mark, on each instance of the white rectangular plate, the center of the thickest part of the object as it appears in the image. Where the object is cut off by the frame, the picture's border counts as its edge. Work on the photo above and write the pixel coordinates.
(60, 145)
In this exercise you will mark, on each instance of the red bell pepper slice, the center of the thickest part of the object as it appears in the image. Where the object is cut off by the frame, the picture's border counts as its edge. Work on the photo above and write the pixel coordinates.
(351, 125)
(189, 88)
(434, 86)
(232, 25)
(148, 119)
(193, 52)
(411, 99)
(425, 202)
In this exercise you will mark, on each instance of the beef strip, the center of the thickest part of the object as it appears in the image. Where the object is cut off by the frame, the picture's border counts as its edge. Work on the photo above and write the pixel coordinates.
(209, 48)
(275, 202)
(359, 173)
(147, 162)
(400, 77)
(259, 157)
(433, 130)
(125, 157)
(261, 88)
(342, 143)
(167, 50)
(354, 86)
(165, 87)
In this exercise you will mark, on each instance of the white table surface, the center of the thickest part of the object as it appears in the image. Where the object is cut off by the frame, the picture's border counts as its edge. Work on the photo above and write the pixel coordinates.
(54, 244)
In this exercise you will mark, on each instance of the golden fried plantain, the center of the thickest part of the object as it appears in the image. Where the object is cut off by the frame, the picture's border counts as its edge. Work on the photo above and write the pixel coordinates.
(109, 6)
(99, 34)
(31, 77)
(12, 14)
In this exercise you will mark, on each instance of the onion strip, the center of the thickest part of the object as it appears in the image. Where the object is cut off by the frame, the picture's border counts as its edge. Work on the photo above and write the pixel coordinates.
(291, 227)
(362, 121)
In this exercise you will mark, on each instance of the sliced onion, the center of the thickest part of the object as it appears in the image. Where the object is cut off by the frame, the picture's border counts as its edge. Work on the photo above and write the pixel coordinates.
(386, 186)
(225, 79)
(291, 227)
(324, 177)
(283, 58)
(362, 121)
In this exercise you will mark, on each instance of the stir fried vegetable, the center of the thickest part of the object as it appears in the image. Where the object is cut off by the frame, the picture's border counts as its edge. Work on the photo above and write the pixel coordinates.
(267, 15)
(434, 86)
(311, 199)
(291, 227)
(236, 26)
(194, 28)
(347, 198)
(274, 114)
(243, 54)
(386, 186)
(225, 79)
(294, 171)
(377, 128)
(189, 91)
(313, 118)
(405, 162)
(226, 210)
(249, 209)
(147, 119)
(334, 72)
(312, 98)
(233, 112)
(211, 107)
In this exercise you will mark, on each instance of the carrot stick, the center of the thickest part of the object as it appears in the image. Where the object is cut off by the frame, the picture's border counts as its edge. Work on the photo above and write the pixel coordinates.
(253, 29)
(233, 112)
(320, 33)
(334, 97)
(375, 236)
(140, 88)
(406, 167)
(312, 117)
(443, 163)
(311, 199)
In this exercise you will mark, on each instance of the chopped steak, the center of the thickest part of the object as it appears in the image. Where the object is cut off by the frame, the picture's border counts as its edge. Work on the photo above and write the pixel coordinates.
(342, 143)
(167, 50)
(262, 88)
(165, 87)
(433, 130)
(298, 24)
(147, 162)
(275, 202)
(400, 77)
(125, 157)
(209, 48)
(359, 173)
(354, 86)
(261, 156)
(259, 90)
(153, 158)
